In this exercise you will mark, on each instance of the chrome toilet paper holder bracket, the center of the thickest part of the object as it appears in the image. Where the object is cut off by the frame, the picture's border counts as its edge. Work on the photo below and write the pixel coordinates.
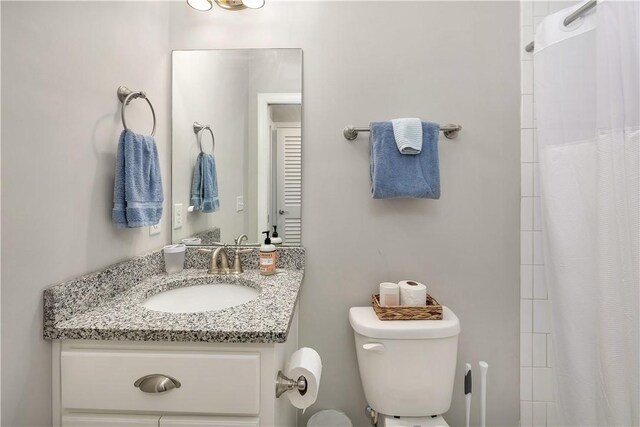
(284, 384)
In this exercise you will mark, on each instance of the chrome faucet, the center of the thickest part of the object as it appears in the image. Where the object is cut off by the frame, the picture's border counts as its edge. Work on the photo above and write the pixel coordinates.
(219, 252)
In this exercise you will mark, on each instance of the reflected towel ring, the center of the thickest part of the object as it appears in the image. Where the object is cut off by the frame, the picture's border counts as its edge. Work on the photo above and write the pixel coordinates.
(199, 129)
(125, 95)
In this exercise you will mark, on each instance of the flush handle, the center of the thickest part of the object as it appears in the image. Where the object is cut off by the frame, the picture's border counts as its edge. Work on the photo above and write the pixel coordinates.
(156, 383)
(374, 346)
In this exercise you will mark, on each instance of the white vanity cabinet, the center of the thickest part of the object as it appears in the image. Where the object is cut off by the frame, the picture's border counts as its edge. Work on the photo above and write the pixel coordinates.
(212, 384)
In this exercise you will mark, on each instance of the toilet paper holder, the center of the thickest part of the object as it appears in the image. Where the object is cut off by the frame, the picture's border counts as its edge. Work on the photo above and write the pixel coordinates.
(284, 384)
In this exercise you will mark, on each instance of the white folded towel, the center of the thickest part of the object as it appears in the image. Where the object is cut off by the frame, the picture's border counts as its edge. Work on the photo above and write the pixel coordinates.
(408, 135)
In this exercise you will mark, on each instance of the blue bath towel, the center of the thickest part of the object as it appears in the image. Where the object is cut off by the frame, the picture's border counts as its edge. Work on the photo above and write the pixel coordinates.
(204, 186)
(137, 191)
(395, 175)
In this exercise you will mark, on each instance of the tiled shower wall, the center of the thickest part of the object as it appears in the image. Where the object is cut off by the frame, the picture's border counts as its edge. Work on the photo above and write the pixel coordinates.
(537, 406)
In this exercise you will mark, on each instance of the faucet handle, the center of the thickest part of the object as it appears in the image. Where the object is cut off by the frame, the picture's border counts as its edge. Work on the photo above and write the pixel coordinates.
(237, 263)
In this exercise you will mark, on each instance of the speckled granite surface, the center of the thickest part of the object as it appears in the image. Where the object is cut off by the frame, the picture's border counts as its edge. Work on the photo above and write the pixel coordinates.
(106, 305)
(209, 236)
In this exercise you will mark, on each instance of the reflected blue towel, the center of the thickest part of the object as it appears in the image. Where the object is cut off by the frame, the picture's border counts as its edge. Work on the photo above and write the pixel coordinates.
(204, 186)
(395, 175)
(137, 191)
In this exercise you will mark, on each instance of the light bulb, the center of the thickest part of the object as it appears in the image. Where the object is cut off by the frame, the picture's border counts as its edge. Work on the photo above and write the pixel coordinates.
(202, 5)
(253, 4)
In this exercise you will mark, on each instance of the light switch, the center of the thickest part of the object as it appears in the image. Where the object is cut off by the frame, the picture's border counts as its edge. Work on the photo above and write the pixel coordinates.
(154, 229)
(239, 203)
(177, 215)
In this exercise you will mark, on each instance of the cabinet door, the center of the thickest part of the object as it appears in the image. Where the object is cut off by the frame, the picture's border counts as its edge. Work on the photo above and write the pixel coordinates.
(185, 421)
(109, 420)
(210, 382)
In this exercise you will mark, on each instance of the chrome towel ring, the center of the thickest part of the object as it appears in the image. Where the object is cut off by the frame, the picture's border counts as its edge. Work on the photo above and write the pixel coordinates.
(125, 95)
(199, 129)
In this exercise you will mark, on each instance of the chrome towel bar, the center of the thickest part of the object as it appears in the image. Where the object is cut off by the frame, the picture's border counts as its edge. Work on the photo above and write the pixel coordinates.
(125, 95)
(450, 131)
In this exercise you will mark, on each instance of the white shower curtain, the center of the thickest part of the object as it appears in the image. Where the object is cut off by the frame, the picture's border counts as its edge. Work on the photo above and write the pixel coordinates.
(587, 108)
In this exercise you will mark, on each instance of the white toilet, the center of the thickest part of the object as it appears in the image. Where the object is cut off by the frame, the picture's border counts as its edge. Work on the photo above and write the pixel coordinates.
(407, 367)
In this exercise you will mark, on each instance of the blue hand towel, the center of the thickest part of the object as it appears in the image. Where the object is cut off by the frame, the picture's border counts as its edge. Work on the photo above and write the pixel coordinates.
(137, 191)
(408, 135)
(395, 175)
(204, 186)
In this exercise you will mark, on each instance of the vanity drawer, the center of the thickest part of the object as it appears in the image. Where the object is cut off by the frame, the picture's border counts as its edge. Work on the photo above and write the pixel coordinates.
(210, 382)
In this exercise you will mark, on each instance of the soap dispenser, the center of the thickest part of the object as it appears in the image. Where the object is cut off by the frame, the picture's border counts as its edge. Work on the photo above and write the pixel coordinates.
(275, 239)
(267, 256)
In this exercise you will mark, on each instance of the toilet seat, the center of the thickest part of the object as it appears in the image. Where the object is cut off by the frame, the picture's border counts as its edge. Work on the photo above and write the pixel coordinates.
(390, 421)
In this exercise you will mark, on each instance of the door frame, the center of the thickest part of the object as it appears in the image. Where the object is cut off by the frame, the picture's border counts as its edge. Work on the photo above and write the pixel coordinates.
(263, 184)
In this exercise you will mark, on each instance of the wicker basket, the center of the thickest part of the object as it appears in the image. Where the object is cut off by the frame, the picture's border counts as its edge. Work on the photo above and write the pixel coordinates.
(432, 311)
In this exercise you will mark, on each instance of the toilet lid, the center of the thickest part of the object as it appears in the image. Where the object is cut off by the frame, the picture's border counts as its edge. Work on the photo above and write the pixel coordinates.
(365, 322)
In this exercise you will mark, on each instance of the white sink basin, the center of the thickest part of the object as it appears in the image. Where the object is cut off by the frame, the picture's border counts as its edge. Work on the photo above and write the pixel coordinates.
(197, 298)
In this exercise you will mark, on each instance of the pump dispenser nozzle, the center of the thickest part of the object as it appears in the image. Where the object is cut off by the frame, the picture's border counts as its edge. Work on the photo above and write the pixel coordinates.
(267, 240)
(275, 239)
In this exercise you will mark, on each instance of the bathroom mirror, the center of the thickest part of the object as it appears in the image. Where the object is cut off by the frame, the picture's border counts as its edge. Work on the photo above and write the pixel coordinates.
(236, 145)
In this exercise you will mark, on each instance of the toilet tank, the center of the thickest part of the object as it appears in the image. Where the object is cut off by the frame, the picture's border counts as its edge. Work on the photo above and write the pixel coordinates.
(407, 367)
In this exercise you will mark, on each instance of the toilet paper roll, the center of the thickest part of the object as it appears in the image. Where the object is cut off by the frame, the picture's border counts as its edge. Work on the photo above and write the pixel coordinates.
(389, 294)
(305, 363)
(412, 293)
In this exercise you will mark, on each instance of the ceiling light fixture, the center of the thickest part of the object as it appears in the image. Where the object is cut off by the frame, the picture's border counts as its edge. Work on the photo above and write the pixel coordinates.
(201, 5)
(253, 4)
(204, 5)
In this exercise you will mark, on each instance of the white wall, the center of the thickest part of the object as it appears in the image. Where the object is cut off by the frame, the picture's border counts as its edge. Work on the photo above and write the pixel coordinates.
(452, 62)
(363, 61)
(61, 66)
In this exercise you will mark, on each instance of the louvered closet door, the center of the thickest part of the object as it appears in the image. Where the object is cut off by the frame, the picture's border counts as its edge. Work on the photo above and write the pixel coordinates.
(289, 191)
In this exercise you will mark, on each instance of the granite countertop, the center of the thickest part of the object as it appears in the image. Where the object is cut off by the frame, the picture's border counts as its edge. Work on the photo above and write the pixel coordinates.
(106, 305)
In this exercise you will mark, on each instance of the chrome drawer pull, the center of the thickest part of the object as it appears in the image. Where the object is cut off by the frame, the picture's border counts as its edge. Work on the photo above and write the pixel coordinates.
(156, 383)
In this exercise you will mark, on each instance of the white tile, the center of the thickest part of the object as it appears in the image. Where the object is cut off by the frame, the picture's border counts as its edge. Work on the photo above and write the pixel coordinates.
(556, 6)
(526, 77)
(539, 350)
(526, 414)
(526, 281)
(526, 213)
(549, 351)
(527, 112)
(538, 257)
(526, 383)
(552, 414)
(540, 8)
(526, 36)
(526, 145)
(526, 247)
(526, 315)
(539, 414)
(526, 12)
(526, 181)
(536, 21)
(537, 219)
(539, 284)
(542, 386)
(535, 145)
(526, 349)
(536, 179)
(540, 316)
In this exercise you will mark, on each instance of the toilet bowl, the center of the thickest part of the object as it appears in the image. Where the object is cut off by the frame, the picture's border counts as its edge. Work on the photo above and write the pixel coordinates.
(407, 368)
